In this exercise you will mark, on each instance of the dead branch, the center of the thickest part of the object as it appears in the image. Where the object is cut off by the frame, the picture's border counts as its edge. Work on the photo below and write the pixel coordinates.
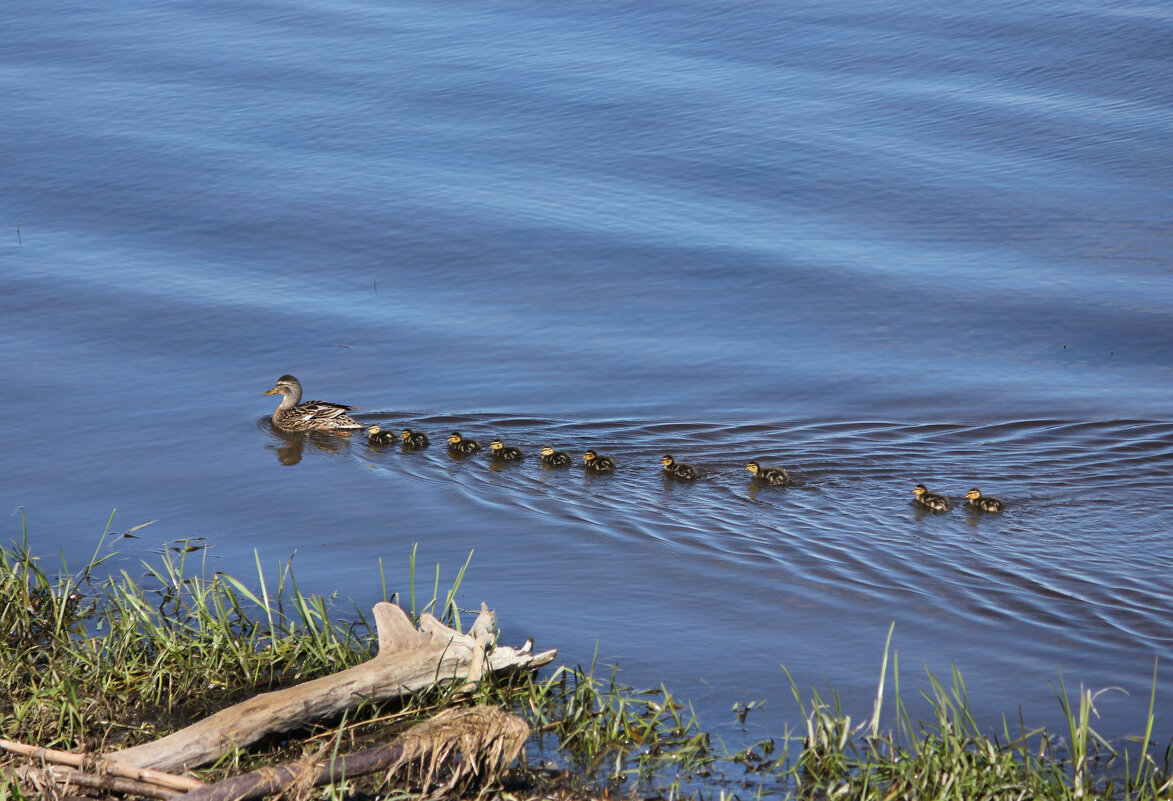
(72, 778)
(90, 763)
(409, 660)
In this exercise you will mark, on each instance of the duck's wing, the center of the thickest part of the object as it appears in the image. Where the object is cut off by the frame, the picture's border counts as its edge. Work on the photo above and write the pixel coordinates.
(320, 410)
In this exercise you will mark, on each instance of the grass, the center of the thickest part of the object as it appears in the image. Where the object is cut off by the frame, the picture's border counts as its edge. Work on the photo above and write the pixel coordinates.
(95, 661)
(948, 755)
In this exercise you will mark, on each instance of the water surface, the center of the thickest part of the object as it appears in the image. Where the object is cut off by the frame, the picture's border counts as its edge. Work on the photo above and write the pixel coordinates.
(878, 245)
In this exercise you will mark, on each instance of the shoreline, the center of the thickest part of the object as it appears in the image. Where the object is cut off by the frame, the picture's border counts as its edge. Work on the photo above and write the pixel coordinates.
(97, 663)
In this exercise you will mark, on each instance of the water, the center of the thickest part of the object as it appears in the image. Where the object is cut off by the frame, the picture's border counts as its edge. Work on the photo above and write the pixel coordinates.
(879, 245)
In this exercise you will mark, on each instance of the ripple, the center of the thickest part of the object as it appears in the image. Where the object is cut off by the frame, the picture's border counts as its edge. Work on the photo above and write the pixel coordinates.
(1085, 519)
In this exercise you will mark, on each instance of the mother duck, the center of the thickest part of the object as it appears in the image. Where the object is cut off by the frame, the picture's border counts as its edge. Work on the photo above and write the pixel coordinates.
(315, 415)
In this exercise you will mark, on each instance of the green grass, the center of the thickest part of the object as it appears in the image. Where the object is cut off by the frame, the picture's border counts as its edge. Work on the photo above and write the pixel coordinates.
(97, 661)
(94, 664)
(948, 755)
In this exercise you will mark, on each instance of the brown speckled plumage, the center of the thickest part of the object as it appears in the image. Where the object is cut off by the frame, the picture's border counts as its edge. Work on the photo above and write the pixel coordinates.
(315, 415)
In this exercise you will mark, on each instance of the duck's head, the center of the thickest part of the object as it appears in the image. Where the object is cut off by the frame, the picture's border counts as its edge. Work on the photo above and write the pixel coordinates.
(455, 437)
(919, 490)
(590, 456)
(547, 450)
(974, 494)
(286, 385)
(667, 460)
(405, 433)
(496, 445)
(753, 467)
(373, 429)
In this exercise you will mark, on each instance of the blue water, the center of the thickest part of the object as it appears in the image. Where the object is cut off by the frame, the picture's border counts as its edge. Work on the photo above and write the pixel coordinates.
(879, 244)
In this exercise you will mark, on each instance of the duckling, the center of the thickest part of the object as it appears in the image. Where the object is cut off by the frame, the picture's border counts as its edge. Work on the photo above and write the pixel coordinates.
(414, 440)
(293, 415)
(499, 450)
(598, 464)
(377, 436)
(677, 469)
(774, 476)
(929, 500)
(983, 504)
(461, 446)
(553, 458)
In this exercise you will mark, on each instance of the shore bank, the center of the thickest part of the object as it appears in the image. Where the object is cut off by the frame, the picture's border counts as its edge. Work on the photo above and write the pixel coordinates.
(95, 663)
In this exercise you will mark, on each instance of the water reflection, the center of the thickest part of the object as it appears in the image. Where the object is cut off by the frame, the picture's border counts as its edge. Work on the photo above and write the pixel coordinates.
(499, 465)
(290, 446)
(672, 484)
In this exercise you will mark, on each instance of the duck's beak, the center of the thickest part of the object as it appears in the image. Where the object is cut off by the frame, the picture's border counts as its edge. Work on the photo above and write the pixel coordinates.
(273, 391)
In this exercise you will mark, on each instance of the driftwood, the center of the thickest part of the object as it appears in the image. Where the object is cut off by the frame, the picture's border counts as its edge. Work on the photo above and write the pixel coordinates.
(409, 660)
(487, 739)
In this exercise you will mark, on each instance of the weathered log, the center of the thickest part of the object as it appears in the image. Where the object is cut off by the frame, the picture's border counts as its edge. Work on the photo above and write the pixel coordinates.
(487, 738)
(409, 660)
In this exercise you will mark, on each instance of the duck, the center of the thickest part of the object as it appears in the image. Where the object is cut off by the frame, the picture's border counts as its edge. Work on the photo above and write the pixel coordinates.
(598, 464)
(315, 415)
(461, 446)
(377, 436)
(982, 503)
(553, 458)
(774, 476)
(414, 440)
(677, 469)
(930, 500)
(499, 450)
